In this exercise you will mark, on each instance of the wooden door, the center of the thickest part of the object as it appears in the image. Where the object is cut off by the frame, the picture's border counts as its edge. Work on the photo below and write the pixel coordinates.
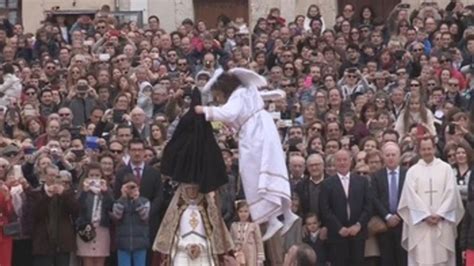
(382, 8)
(209, 10)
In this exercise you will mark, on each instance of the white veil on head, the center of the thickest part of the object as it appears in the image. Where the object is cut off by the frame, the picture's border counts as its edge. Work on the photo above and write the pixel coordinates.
(213, 79)
(247, 77)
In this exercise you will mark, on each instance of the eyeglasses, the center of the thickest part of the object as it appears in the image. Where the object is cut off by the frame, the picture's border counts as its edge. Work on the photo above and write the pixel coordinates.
(115, 151)
(315, 129)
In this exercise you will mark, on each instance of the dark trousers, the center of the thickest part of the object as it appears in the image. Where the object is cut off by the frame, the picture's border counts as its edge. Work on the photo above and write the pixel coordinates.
(391, 251)
(22, 252)
(60, 259)
(347, 252)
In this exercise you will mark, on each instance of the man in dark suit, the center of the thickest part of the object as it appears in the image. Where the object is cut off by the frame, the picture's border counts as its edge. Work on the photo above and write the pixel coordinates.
(387, 185)
(309, 188)
(345, 210)
(150, 182)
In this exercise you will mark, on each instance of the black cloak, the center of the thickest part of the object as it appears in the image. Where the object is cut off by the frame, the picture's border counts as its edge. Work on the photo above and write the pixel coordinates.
(192, 155)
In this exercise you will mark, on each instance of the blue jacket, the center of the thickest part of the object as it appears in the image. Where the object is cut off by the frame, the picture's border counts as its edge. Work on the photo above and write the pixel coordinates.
(132, 231)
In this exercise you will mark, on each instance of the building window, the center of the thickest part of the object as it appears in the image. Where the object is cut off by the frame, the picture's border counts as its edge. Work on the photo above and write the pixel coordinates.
(12, 9)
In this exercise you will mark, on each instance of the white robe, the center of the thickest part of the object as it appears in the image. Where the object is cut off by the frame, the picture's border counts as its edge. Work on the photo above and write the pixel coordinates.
(426, 244)
(191, 232)
(261, 157)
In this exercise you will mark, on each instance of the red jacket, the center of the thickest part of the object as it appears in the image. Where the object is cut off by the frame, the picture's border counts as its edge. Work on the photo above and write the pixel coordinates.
(6, 212)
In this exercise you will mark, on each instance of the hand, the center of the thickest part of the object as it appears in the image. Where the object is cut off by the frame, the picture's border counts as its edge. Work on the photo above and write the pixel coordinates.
(126, 117)
(108, 115)
(393, 221)
(135, 193)
(199, 109)
(431, 221)
(86, 185)
(193, 251)
(344, 232)
(103, 185)
(323, 233)
(436, 219)
(355, 229)
(124, 191)
(5, 191)
(24, 183)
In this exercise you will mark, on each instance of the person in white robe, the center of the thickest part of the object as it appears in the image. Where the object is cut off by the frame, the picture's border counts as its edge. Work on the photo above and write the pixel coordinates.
(193, 232)
(431, 208)
(261, 157)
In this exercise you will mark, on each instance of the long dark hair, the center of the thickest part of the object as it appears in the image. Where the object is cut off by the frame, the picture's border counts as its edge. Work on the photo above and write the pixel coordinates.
(226, 83)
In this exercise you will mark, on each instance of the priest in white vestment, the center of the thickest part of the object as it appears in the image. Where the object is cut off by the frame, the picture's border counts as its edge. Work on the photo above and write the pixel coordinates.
(431, 208)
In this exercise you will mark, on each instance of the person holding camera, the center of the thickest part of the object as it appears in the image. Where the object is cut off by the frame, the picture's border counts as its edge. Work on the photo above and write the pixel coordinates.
(93, 238)
(53, 231)
(132, 231)
(81, 100)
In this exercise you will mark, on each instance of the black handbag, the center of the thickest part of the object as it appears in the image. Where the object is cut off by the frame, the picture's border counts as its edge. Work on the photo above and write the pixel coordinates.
(86, 232)
(12, 229)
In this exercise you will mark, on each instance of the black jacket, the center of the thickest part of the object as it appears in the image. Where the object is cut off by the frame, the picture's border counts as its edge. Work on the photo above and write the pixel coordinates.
(380, 191)
(333, 206)
(466, 238)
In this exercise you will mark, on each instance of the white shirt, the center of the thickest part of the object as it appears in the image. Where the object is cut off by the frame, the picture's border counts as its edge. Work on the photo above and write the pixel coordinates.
(345, 182)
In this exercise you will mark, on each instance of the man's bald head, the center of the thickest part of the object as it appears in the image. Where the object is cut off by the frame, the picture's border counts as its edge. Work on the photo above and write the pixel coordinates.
(391, 155)
(297, 165)
(343, 161)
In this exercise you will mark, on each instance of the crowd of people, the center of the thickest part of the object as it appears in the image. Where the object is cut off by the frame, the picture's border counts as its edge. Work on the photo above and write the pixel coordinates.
(87, 109)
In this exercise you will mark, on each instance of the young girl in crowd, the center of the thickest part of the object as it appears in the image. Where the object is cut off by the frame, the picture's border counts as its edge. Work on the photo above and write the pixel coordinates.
(96, 203)
(132, 232)
(247, 237)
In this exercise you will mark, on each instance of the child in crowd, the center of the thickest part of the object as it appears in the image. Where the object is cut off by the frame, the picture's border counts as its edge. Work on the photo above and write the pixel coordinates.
(93, 239)
(315, 237)
(132, 233)
(247, 237)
